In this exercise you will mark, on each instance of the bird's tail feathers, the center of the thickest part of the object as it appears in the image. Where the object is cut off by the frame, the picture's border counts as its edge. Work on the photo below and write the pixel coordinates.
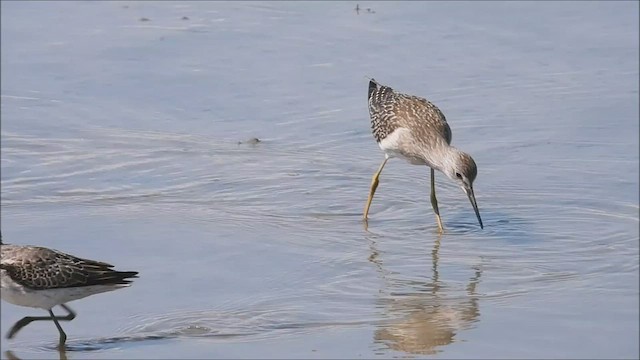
(373, 86)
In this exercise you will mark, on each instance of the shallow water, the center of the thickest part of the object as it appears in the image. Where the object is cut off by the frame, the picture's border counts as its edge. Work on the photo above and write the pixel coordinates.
(120, 142)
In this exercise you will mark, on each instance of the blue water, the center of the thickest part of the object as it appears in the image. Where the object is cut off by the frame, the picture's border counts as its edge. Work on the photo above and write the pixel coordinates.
(120, 142)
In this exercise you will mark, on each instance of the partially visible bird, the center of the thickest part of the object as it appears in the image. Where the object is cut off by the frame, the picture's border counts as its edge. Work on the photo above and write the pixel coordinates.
(414, 129)
(39, 277)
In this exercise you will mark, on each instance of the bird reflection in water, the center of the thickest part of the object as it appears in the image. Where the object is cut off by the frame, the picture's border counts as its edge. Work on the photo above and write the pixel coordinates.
(61, 353)
(427, 316)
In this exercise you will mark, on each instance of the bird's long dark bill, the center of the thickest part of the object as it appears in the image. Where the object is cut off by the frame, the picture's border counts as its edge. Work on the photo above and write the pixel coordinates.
(472, 198)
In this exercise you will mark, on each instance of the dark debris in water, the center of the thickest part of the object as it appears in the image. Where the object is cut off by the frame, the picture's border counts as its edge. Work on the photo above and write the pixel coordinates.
(195, 330)
(251, 141)
(143, 19)
(367, 10)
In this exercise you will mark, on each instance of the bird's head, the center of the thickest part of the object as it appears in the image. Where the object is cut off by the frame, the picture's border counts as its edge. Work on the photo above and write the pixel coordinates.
(463, 170)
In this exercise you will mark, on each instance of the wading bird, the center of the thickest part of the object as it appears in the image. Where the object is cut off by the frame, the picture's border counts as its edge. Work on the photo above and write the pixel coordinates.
(38, 277)
(414, 129)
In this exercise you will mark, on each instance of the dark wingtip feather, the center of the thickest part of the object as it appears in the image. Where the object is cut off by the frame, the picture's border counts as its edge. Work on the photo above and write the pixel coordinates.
(373, 85)
(112, 278)
(126, 277)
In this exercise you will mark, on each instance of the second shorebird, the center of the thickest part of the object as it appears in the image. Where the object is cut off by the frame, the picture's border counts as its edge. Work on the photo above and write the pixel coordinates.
(414, 129)
(42, 278)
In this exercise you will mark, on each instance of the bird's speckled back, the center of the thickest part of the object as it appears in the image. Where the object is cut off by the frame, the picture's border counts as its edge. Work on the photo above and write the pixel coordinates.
(41, 268)
(390, 110)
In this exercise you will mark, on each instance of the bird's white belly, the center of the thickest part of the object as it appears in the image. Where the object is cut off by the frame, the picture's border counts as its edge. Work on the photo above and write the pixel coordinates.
(17, 294)
(42, 300)
(394, 143)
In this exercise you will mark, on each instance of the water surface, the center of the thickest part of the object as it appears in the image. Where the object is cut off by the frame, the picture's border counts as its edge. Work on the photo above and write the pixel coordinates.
(120, 141)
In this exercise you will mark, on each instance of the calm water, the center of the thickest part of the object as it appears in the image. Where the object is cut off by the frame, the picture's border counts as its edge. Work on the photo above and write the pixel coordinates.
(120, 143)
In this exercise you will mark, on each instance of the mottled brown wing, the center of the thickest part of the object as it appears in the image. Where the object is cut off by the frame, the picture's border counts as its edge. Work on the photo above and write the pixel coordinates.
(42, 268)
(390, 110)
(423, 118)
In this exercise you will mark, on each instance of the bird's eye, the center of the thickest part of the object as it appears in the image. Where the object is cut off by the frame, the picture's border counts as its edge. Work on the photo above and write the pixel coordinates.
(458, 175)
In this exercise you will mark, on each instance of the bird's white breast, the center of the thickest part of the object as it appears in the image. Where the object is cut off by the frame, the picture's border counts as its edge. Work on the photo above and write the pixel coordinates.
(17, 294)
(394, 143)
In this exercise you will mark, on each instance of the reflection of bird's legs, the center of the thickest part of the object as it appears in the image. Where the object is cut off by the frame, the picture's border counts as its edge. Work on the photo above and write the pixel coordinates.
(376, 258)
(28, 319)
(472, 311)
(473, 282)
(434, 264)
(10, 355)
(62, 353)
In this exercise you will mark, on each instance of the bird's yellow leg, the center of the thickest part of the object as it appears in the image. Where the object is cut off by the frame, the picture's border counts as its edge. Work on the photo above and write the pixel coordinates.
(374, 186)
(434, 201)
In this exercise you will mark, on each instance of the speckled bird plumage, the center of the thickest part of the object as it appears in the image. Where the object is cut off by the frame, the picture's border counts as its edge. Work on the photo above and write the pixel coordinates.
(39, 268)
(390, 110)
(414, 129)
(39, 277)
